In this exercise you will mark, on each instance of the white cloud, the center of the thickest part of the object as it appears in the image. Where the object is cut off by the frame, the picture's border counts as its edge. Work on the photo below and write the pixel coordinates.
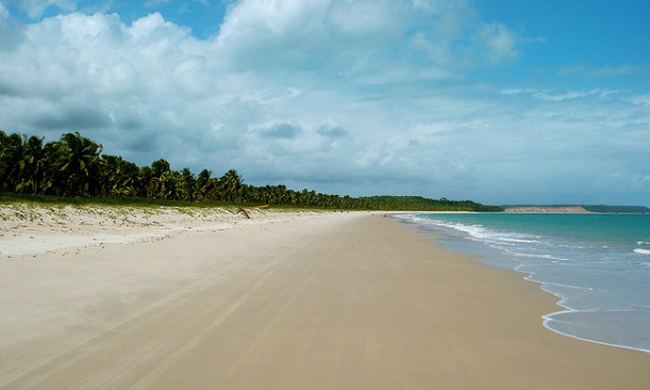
(641, 99)
(499, 41)
(363, 18)
(559, 96)
(4, 14)
(358, 97)
(35, 8)
(357, 38)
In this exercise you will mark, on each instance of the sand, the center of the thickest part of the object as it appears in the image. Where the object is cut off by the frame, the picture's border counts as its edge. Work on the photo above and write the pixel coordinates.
(27, 229)
(335, 301)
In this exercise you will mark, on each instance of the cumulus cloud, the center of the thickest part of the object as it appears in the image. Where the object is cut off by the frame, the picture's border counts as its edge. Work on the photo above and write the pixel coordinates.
(354, 38)
(333, 132)
(35, 8)
(280, 131)
(359, 97)
(4, 14)
(83, 117)
(499, 42)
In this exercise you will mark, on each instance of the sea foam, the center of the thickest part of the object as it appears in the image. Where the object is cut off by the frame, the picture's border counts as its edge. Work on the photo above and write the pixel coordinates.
(590, 262)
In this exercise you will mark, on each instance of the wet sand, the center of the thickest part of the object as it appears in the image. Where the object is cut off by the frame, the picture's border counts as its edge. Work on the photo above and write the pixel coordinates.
(345, 301)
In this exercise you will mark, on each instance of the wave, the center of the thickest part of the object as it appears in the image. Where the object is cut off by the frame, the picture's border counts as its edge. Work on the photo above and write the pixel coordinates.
(575, 271)
(549, 257)
(551, 322)
(477, 231)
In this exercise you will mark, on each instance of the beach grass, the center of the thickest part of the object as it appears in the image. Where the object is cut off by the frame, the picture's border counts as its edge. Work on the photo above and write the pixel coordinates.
(56, 201)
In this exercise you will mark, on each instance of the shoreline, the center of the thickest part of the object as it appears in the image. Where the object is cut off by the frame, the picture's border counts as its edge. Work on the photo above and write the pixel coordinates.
(327, 301)
(505, 259)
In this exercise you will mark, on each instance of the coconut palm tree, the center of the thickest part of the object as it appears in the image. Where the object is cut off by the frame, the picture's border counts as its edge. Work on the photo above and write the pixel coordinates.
(119, 177)
(161, 180)
(34, 164)
(12, 160)
(203, 184)
(78, 162)
(231, 185)
(187, 185)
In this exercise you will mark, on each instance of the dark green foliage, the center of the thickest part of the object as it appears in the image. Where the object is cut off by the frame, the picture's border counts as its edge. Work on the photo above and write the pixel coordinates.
(9, 198)
(75, 169)
(617, 209)
(418, 203)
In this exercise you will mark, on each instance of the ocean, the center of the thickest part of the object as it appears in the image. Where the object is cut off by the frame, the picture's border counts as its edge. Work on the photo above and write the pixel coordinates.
(598, 265)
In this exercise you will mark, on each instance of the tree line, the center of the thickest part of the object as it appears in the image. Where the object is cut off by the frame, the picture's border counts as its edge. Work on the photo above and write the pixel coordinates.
(74, 166)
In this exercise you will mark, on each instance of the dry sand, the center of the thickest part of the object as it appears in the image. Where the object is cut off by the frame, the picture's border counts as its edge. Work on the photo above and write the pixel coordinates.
(339, 301)
(27, 229)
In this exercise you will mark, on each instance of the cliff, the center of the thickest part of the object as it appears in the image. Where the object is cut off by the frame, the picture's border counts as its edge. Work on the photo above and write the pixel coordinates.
(546, 209)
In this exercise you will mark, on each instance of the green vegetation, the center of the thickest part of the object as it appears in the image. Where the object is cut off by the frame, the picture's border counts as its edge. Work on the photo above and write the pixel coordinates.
(58, 201)
(617, 209)
(418, 203)
(73, 170)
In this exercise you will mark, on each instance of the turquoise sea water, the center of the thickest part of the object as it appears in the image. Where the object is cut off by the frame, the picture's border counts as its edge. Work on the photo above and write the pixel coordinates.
(598, 265)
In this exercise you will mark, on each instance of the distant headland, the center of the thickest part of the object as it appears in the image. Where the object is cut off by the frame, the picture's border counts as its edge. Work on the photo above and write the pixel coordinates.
(575, 209)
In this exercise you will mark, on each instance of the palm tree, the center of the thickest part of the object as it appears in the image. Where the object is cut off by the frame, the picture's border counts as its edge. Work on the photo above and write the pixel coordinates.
(203, 184)
(79, 163)
(187, 185)
(161, 180)
(145, 182)
(120, 177)
(231, 185)
(34, 166)
(12, 160)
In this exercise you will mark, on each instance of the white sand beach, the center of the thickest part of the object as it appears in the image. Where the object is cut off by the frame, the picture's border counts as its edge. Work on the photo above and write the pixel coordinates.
(205, 299)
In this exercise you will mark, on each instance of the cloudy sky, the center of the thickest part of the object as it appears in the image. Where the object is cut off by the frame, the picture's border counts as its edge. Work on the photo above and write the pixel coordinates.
(531, 101)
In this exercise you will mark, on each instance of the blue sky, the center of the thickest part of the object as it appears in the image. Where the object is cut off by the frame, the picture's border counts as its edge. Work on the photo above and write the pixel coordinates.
(496, 101)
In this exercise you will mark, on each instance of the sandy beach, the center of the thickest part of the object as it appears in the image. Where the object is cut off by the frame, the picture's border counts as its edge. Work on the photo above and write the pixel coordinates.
(280, 301)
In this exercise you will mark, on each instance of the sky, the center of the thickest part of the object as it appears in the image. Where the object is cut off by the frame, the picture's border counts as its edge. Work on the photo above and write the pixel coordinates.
(498, 101)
